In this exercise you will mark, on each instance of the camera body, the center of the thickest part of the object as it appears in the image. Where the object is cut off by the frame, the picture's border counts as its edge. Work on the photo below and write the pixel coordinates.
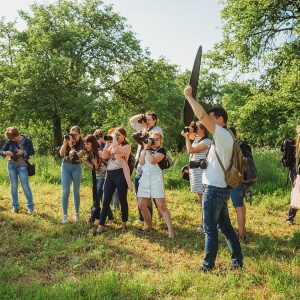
(108, 138)
(78, 155)
(202, 164)
(69, 135)
(143, 119)
(99, 136)
(187, 129)
(146, 139)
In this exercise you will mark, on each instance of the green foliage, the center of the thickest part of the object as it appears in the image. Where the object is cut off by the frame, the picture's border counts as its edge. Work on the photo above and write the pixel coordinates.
(63, 64)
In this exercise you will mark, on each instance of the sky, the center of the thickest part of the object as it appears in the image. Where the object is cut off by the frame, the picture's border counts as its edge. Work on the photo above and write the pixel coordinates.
(173, 29)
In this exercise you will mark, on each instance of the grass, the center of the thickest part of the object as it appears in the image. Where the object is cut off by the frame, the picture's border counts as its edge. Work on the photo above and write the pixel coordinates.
(43, 259)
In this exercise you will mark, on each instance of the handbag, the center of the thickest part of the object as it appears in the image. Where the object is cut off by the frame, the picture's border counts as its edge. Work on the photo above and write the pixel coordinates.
(185, 172)
(30, 168)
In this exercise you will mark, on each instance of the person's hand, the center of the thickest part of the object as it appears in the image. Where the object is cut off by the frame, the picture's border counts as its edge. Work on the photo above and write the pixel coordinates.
(72, 153)
(184, 134)
(8, 153)
(188, 91)
(81, 153)
(19, 153)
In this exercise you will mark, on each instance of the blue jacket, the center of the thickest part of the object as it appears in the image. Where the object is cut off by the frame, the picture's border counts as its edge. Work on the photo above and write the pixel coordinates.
(11, 146)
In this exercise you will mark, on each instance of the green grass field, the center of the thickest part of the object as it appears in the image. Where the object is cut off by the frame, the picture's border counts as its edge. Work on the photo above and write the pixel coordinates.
(42, 259)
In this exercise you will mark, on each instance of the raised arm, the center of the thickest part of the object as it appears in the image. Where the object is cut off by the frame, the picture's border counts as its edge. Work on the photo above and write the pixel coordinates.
(199, 110)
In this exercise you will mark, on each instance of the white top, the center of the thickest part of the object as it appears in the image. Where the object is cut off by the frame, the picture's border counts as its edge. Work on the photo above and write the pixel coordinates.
(214, 175)
(138, 127)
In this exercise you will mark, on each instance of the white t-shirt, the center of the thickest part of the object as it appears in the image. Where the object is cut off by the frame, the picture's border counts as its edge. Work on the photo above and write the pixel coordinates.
(213, 174)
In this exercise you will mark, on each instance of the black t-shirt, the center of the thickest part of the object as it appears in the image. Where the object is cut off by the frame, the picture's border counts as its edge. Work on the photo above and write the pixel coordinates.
(163, 151)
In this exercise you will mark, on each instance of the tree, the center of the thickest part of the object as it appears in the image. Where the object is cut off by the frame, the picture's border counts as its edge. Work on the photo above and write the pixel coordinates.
(64, 63)
(262, 36)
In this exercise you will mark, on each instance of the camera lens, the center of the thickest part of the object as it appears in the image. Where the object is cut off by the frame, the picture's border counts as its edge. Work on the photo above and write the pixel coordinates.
(99, 136)
(186, 129)
(142, 120)
(108, 138)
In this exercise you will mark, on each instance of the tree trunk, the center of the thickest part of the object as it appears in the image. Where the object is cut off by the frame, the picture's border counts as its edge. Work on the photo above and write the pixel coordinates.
(57, 136)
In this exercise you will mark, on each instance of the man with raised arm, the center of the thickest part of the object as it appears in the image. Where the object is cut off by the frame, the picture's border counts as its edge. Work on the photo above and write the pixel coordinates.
(216, 193)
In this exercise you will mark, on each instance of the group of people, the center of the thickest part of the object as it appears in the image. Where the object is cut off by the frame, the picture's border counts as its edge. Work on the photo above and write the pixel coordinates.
(108, 160)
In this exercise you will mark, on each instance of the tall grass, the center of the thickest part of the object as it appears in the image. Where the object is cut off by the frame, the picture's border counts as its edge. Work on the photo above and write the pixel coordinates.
(42, 259)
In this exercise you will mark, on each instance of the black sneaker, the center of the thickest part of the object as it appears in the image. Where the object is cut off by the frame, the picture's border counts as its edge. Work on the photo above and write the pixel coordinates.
(204, 269)
(91, 220)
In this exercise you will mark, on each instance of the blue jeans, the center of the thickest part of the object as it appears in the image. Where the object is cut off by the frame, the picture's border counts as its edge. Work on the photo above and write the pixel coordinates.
(13, 173)
(115, 179)
(70, 173)
(100, 183)
(216, 217)
(136, 187)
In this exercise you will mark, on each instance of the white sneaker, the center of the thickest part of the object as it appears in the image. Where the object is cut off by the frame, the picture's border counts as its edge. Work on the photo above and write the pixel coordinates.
(77, 217)
(65, 219)
(15, 210)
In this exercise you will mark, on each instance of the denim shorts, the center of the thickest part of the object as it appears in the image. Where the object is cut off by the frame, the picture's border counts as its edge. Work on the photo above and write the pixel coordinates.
(237, 196)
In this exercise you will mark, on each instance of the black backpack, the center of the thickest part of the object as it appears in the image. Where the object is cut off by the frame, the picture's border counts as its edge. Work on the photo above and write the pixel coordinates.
(287, 150)
(131, 163)
(250, 173)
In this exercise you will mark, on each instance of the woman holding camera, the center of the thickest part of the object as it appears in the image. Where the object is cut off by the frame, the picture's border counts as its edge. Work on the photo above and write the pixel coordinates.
(100, 171)
(151, 183)
(19, 148)
(116, 151)
(71, 170)
(197, 151)
(143, 124)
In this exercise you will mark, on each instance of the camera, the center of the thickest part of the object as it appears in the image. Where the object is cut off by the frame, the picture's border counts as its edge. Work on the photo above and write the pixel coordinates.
(146, 139)
(77, 155)
(187, 129)
(202, 164)
(142, 120)
(68, 135)
(99, 136)
(108, 138)
(15, 157)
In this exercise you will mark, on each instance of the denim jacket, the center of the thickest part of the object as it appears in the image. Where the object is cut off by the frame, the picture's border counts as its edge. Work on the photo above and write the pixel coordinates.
(27, 151)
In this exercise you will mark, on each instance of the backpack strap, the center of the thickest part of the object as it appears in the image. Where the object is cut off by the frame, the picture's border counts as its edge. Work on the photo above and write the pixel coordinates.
(221, 164)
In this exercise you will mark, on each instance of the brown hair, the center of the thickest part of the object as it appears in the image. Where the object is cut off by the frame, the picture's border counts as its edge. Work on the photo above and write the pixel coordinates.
(206, 132)
(122, 130)
(151, 113)
(92, 139)
(11, 132)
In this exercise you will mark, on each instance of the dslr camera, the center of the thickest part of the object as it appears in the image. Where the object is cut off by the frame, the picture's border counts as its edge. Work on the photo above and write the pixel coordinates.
(77, 155)
(202, 164)
(68, 135)
(99, 136)
(146, 139)
(187, 129)
(143, 119)
(108, 138)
